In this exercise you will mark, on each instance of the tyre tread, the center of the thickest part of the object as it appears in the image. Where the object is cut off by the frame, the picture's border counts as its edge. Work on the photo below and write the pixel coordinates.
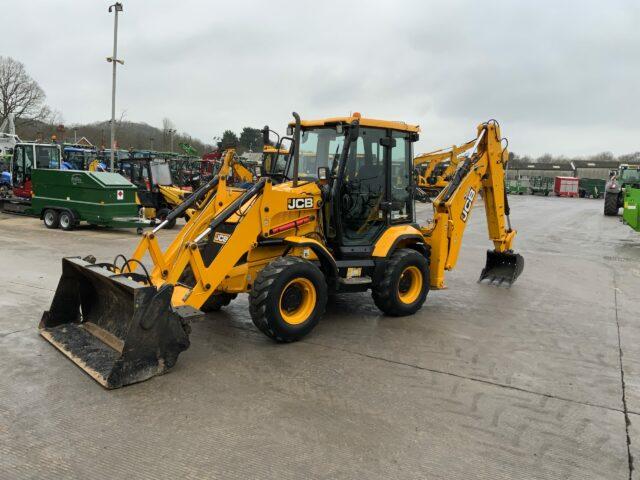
(383, 291)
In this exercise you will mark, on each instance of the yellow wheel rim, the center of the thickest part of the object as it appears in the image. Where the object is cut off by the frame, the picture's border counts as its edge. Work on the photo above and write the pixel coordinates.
(410, 284)
(297, 301)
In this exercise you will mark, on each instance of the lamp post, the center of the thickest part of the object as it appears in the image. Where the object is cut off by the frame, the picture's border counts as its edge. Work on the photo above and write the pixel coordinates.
(116, 7)
(171, 132)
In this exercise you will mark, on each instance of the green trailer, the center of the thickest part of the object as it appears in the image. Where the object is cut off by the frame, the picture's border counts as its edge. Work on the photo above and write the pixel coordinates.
(64, 198)
(631, 212)
(540, 185)
(517, 186)
(591, 187)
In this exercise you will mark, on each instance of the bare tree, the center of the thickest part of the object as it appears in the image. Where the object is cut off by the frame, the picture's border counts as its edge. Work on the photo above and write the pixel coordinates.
(168, 129)
(167, 124)
(20, 94)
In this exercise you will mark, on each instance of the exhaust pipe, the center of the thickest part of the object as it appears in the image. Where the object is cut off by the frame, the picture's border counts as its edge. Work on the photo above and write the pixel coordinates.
(296, 151)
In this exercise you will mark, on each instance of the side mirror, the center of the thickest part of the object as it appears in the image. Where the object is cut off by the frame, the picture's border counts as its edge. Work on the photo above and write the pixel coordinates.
(323, 174)
(290, 130)
(265, 135)
(388, 142)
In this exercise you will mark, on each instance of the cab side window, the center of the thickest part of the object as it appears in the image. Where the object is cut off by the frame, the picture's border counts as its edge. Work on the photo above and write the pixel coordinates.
(401, 167)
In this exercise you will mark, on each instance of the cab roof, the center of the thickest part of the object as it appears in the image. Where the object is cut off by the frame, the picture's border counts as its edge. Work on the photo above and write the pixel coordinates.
(364, 122)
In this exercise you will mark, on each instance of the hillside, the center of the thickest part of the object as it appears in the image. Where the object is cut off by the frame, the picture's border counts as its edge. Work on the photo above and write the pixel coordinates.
(136, 135)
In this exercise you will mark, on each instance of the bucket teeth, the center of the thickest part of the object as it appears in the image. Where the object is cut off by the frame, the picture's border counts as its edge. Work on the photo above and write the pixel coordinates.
(502, 268)
(119, 331)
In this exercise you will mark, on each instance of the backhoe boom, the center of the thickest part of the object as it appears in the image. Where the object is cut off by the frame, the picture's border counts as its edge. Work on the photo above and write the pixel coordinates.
(481, 172)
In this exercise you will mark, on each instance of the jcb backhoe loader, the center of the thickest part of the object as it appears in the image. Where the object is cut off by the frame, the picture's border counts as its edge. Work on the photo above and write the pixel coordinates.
(435, 169)
(288, 241)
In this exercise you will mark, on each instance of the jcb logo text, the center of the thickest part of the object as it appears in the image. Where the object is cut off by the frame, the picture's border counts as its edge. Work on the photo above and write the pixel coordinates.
(468, 202)
(300, 203)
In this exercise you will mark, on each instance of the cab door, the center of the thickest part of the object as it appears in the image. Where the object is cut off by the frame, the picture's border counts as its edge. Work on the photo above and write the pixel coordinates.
(400, 185)
(22, 164)
(362, 191)
(375, 189)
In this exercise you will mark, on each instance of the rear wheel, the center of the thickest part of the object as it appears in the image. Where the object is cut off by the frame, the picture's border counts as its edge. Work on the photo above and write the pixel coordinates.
(402, 287)
(610, 204)
(50, 218)
(288, 298)
(67, 222)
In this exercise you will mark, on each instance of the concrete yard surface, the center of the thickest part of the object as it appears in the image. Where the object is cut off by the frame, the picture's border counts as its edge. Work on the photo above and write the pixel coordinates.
(539, 381)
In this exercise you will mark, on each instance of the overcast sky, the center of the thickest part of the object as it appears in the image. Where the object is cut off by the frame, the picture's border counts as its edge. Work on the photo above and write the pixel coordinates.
(560, 76)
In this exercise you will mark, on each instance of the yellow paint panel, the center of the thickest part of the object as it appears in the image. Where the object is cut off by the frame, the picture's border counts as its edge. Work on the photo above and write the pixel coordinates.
(386, 241)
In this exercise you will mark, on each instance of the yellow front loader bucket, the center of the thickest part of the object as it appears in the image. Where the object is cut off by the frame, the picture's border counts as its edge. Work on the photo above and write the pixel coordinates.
(118, 328)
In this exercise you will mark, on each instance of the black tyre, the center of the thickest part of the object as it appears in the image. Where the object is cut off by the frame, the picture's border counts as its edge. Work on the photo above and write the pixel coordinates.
(610, 204)
(288, 298)
(162, 214)
(216, 301)
(67, 221)
(402, 287)
(50, 218)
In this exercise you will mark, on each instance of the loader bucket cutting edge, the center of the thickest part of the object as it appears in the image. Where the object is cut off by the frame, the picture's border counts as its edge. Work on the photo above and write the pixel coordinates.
(115, 329)
(502, 268)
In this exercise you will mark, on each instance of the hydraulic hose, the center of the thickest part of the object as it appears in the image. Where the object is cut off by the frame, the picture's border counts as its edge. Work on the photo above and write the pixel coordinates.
(232, 207)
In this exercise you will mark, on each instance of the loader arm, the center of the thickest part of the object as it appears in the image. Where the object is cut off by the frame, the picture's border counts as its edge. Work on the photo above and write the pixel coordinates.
(174, 196)
(204, 209)
(480, 171)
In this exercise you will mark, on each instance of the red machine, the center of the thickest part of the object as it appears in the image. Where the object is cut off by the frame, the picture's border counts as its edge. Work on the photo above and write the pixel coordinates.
(566, 187)
(210, 162)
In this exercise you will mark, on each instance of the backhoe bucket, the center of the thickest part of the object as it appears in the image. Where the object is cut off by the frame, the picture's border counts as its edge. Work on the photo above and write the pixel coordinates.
(117, 330)
(502, 268)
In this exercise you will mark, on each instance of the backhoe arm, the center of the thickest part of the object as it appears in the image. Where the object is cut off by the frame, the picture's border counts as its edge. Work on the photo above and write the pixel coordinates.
(438, 156)
(480, 171)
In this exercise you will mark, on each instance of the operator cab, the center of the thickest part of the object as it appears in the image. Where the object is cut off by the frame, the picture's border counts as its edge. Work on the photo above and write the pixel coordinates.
(29, 156)
(77, 158)
(630, 174)
(365, 169)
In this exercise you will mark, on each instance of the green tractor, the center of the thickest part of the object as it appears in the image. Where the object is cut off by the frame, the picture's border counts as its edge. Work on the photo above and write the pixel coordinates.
(631, 212)
(627, 176)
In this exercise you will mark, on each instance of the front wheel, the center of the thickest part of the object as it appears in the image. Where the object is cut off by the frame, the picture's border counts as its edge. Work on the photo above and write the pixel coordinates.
(402, 286)
(288, 298)
(610, 204)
